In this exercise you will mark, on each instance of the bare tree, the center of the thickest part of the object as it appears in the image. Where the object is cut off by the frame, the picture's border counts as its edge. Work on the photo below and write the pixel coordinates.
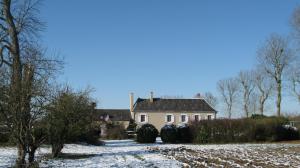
(275, 56)
(294, 78)
(198, 95)
(254, 103)
(228, 89)
(29, 72)
(210, 99)
(264, 87)
(245, 79)
(4, 88)
(295, 22)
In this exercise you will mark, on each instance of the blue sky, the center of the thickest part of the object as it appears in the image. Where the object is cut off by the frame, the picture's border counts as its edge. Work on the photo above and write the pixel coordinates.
(171, 47)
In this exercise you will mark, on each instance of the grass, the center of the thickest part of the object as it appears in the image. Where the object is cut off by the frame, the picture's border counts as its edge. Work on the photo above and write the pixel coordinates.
(289, 142)
(139, 157)
(69, 156)
(7, 145)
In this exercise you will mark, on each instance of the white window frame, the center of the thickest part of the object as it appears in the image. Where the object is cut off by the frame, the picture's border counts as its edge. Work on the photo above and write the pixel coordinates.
(199, 117)
(186, 118)
(211, 117)
(146, 118)
(172, 118)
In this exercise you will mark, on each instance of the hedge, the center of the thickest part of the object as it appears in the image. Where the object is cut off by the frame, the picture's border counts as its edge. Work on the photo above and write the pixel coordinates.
(243, 130)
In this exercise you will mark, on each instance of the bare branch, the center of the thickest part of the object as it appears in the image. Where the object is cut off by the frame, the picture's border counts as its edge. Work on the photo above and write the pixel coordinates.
(275, 57)
(228, 89)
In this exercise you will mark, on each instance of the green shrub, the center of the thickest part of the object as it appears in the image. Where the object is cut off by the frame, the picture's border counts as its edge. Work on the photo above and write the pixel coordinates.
(258, 116)
(184, 134)
(4, 138)
(91, 137)
(168, 134)
(147, 133)
(5, 135)
(132, 125)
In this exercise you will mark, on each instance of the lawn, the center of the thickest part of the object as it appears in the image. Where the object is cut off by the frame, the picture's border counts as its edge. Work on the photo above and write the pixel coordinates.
(127, 153)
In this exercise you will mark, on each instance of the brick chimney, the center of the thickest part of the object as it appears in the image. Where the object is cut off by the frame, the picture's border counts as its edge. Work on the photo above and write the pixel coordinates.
(131, 99)
(131, 102)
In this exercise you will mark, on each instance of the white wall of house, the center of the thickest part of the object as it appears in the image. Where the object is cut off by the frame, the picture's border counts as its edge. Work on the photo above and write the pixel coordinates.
(159, 119)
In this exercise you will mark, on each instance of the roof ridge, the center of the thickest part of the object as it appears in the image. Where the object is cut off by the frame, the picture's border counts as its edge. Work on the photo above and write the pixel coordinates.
(173, 104)
(174, 98)
(111, 109)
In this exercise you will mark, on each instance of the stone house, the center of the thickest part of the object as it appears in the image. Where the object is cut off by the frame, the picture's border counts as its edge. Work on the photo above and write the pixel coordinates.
(114, 116)
(160, 111)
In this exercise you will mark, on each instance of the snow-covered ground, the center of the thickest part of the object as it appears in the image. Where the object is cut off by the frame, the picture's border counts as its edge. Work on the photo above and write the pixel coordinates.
(127, 153)
(235, 155)
(115, 153)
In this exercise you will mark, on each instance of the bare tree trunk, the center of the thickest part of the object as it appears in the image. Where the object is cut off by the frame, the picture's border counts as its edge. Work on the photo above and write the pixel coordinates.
(246, 105)
(16, 86)
(229, 111)
(27, 95)
(278, 102)
(262, 101)
(31, 155)
(20, 162)
(56, 149)
(261, 108)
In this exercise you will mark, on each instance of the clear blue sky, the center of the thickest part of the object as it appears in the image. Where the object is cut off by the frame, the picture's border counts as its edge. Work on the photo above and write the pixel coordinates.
(171, 47)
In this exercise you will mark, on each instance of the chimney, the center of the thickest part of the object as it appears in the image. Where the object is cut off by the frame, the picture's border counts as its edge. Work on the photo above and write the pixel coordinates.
(151, 97)
(131, 99)
(94, 105)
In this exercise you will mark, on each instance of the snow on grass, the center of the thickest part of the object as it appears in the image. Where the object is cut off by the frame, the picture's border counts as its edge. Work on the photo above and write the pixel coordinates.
(115, 153)
(7, 156)
(127, 153)
(122, 153)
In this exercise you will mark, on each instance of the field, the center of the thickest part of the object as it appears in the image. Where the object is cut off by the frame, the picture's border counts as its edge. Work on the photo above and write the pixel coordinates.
(127, 153)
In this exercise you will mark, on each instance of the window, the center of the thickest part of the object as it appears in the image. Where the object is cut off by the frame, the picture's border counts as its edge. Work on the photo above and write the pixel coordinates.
(143, 118)
(184, 118)
(197, 118)
(208, 117)
(169, 118)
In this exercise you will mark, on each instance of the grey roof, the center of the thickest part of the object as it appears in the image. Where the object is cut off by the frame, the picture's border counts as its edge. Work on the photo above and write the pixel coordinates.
(114, 114)
(172, 105)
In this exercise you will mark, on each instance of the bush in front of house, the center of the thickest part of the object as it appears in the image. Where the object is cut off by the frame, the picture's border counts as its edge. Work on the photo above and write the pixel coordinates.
(132, 125)
(131, 129)
(4, 138)
(116, 131)
(243, 130)
(169, 134)
(184, 134)
(147, 133)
